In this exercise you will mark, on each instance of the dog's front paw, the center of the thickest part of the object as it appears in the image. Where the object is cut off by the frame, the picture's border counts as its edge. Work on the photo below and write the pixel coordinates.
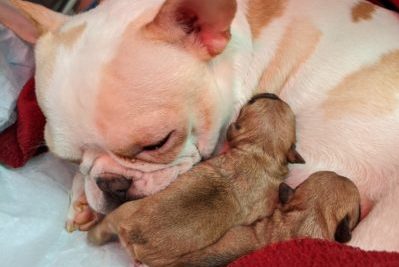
(81, 216)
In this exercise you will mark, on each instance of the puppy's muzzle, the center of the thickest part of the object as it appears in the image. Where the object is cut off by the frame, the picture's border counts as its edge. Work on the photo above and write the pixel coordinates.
(114, 187)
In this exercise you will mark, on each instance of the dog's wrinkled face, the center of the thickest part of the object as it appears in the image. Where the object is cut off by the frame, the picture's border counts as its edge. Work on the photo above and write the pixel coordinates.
(128, 87)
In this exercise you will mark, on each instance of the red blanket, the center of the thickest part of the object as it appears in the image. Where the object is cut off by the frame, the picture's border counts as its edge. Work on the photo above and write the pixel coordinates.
(24, 138)
(310, 252)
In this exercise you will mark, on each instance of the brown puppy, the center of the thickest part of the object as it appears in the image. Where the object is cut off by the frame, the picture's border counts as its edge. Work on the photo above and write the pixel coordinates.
(236, 188)
(325, 206)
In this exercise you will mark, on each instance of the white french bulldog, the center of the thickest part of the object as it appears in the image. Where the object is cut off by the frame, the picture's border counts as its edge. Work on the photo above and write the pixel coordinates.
(143, 89)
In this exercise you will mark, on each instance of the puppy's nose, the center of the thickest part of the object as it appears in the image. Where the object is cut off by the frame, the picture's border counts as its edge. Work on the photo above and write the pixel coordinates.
(115, 187)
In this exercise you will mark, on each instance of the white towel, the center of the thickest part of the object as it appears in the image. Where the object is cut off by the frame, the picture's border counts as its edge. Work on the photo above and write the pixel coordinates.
(33, 207)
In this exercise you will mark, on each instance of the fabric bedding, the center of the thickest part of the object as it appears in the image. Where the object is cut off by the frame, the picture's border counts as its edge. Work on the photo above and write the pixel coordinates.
(33, 207)
(16, 67)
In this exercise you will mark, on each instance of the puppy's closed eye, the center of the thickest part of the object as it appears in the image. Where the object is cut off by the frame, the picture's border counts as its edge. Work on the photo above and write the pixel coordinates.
(343, 232)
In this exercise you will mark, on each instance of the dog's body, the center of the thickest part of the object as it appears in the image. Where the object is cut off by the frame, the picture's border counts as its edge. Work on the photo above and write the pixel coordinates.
(325, 206)
(161, 76)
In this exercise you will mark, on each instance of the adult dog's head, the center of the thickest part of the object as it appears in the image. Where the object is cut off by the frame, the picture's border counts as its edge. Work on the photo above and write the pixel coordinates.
(128, 88)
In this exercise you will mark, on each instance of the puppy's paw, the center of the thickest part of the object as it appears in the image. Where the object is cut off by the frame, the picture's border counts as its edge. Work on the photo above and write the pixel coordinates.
(102, 233)
(138, 264)
(97, 237)
(81, 216)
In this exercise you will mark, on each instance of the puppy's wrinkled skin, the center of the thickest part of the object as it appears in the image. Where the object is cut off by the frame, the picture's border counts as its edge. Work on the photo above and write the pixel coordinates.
(325, 206)
(236, 188)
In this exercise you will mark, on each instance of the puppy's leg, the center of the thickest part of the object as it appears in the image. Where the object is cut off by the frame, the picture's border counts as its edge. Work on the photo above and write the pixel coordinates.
(104, 232)
(377, 231)
(109, 228)
(238, 241)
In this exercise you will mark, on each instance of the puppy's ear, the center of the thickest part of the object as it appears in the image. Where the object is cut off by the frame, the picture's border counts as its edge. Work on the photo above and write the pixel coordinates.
(200, 26)
(343, 232)
(31, 21)
(285, 193)
(294, 157)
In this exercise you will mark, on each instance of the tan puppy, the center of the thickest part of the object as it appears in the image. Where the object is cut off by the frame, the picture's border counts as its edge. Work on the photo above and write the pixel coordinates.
(325, 206)
(236, 188)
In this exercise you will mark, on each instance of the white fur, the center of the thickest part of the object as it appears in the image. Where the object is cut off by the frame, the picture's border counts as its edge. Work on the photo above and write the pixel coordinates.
(360, 147)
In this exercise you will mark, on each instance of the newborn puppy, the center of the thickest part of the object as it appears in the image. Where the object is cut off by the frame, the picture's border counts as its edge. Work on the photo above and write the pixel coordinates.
(236, 188)
(325, 206)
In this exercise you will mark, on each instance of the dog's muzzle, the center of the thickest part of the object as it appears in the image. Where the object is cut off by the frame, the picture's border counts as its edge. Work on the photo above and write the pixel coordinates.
(110, 181)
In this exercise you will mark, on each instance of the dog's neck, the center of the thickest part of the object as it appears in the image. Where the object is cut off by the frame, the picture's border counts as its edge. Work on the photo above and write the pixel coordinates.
(241, 65)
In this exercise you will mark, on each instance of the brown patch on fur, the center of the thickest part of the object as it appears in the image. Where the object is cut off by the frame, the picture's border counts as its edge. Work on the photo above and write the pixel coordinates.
(363, 11)
(69, 37)
(262, 12)
(369, 91)
(295, 48)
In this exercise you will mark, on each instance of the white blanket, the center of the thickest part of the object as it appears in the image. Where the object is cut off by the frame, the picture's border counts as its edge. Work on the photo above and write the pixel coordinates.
(33, 207)
(16, 67)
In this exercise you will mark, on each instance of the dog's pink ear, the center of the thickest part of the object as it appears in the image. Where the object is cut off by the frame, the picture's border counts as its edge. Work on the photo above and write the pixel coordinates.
(294, 157)
(202, 26)
(29, 20)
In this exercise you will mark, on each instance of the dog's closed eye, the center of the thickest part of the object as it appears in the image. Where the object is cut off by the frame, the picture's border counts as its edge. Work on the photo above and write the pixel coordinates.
(158, 144)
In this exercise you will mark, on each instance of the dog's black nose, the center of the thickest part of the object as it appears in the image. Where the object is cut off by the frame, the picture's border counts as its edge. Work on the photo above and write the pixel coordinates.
(114, 186)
